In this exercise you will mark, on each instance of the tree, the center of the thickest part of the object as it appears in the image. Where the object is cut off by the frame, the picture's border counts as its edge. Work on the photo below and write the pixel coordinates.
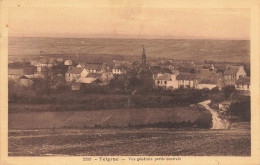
(241, 110)
(215, 90)
(133, 74)
(228, 90)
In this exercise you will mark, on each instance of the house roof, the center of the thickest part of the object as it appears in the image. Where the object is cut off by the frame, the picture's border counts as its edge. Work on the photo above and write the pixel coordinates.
(15, 71)
(207, 74)
(29, 70)
(207, 81)
(86, 80)
(119, 67)
(82, 64)
(165, 76)
(24, 77)
(231, 70)
(221, 67)
(93, 66)
(243, 80)
(187, 76)
(42, 61)
(75, 70)
(94, 75)
(226, 102)
(204, 73)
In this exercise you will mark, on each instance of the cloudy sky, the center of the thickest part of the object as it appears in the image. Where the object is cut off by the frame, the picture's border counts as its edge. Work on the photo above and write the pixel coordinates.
(127, 21)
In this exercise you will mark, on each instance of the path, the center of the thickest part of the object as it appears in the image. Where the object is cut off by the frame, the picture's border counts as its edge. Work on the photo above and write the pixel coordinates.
(217, 122)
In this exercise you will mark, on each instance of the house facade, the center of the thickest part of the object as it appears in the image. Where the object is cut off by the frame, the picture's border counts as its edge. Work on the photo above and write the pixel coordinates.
(15, 74)
(232, 74)
(206, 83)
(118, 71)
(224, 105)
(81, 65)
(68, 62)
(187, 80)
(242, 86)
(75, 86)
(166, 81)
(25, 81)
(209, 79)
(94, 68)
(75, 73)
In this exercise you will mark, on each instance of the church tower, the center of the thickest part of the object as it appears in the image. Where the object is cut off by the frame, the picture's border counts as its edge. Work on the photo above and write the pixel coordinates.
(143, 57)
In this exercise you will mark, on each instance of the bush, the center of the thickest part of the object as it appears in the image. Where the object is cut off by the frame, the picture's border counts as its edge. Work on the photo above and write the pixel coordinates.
(228, 90)
(240, 110)
(204, 121)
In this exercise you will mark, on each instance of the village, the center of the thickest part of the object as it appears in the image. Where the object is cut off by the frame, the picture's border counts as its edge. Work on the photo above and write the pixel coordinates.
(132, 77)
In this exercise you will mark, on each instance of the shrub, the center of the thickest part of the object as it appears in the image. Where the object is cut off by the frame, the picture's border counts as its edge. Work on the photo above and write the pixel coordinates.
(204, 121)
(228, 90)
(241, 110)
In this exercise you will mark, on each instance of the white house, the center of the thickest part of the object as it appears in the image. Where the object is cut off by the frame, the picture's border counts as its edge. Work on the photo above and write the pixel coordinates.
(242, 85)
(75, 86)
(25, 81)
(187, 80)
(118, 71)
(224, 105)
(75, 73)
(206, 83)
(33, 62)
(68, 62)
(94, 68)
(43, 63)
(59, 59)
(81, 65)
(166, 81)
(102, 78)
(15, 74)
(233, 73)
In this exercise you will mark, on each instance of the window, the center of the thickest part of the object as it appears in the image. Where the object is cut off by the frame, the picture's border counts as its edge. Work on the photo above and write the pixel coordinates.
(165, 82)
(158, 82)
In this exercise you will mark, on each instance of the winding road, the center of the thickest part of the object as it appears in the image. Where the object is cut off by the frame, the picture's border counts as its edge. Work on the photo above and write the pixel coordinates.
(217, 122)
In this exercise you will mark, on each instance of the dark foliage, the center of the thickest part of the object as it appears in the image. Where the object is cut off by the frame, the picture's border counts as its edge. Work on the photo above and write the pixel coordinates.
(228, 90)
(240, 110)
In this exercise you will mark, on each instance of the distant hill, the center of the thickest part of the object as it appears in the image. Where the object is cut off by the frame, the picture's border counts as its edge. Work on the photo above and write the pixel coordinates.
(217, 50)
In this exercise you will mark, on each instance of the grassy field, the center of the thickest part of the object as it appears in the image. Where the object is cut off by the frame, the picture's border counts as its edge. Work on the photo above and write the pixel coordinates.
(126, 141)
(116, 117)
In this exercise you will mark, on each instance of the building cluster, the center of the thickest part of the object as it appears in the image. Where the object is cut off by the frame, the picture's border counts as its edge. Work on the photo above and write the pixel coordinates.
(160, 73)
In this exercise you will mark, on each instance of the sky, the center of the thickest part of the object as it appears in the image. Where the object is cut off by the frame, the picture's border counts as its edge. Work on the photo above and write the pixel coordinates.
(128, 22)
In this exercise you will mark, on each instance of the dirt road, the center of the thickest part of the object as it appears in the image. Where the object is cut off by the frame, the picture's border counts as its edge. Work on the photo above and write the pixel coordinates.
(217, 122)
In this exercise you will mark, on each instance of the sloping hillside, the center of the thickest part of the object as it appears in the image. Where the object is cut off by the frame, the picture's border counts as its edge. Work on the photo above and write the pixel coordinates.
(218, 50)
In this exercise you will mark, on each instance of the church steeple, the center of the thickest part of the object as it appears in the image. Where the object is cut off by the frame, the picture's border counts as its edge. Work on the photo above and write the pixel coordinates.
(143, 57)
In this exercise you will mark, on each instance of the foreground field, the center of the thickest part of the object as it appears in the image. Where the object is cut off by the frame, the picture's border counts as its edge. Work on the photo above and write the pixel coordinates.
(116, 117)
(148, 141)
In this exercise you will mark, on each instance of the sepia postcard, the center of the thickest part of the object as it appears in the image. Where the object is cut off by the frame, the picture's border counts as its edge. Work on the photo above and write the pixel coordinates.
(129, 82)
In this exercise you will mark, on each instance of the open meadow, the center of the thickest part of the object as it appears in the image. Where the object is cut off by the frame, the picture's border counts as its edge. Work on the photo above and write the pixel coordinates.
(131, 141)
(106, 118)
(123, 132)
